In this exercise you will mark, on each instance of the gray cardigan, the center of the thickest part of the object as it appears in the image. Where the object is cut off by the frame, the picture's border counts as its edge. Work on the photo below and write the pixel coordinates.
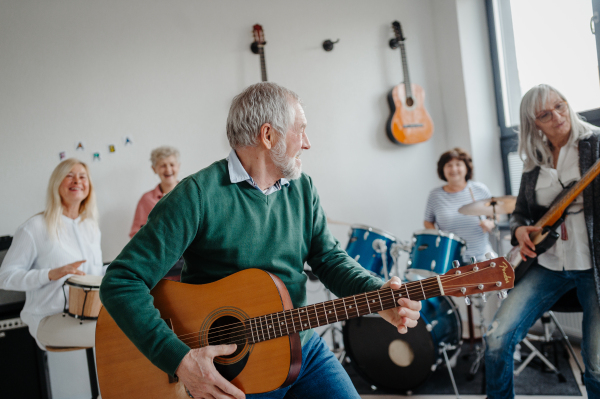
(527, 211)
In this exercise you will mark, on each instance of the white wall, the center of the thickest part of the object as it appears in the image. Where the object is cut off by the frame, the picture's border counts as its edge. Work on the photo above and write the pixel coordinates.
(165, 73)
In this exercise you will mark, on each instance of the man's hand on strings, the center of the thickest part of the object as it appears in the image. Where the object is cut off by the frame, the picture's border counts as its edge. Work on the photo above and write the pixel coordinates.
(405, 316)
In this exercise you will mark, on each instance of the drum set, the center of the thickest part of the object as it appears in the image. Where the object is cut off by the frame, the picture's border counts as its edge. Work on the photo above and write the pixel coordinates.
(378, 353)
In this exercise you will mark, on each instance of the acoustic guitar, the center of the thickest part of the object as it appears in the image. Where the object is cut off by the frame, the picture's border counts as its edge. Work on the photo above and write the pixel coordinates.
(252, 309)
(552, 219)
(409, 122)
(258, 47)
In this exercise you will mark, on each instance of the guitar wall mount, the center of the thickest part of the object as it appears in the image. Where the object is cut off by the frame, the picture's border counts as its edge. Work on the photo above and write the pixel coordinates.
(328, 44)
(394, 44)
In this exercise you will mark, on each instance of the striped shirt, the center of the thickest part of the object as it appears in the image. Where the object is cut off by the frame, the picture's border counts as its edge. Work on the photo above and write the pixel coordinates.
(442, 209)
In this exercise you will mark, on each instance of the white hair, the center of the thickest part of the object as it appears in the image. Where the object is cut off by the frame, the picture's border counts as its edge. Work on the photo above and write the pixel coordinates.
(258, 104)
(164, 151)
(534, 148)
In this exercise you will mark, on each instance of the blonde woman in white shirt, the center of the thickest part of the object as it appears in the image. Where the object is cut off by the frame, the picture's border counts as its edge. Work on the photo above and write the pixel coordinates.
(52, 246)
(557, 148)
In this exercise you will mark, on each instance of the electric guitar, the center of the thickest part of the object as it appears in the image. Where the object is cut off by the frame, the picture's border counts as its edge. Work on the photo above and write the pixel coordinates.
(252, 308)
(552, 219)
(409, 122)
(258, 47)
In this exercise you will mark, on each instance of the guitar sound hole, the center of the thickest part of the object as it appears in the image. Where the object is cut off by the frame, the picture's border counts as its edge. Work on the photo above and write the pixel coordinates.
(227, 330)
(409, 101)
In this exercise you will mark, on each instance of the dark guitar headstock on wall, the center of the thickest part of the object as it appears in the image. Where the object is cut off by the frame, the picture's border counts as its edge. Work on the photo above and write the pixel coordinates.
(395, 42)
(258, 47)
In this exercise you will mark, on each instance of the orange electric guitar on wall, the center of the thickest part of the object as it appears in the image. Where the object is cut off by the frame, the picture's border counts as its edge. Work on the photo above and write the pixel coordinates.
(253, 309)
(409, 122)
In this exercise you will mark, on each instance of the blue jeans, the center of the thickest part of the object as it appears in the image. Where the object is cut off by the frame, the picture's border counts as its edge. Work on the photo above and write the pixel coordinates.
(321, 376)
(532, 296)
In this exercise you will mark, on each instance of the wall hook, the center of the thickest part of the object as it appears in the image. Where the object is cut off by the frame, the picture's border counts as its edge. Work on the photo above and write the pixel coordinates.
(328, 44)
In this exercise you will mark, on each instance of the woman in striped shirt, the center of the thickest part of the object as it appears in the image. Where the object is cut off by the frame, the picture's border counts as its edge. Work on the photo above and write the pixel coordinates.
(456, 168)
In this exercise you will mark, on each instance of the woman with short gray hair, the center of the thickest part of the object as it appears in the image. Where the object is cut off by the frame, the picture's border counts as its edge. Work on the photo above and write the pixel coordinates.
(165, 163)
(557, 148)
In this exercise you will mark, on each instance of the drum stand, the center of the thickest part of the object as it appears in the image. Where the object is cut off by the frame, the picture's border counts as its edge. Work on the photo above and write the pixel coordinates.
(479, 349)
(444, 347)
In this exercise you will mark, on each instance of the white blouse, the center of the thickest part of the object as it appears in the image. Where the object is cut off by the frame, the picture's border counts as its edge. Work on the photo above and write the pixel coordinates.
(33, 253)
(573, 253)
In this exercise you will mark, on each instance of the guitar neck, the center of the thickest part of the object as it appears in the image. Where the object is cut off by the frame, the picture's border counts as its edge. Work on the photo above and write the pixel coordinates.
(291, 321)
(407, 86)
(555, 212)
(263, 64)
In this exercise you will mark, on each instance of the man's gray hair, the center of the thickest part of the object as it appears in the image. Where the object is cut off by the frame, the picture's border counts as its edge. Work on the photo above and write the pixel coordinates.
(260, 103)
(533, 145)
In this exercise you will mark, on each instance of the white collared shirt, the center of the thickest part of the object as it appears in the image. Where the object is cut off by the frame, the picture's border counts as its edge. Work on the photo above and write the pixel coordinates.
(574, 253)
(33, 253)
(238, 174)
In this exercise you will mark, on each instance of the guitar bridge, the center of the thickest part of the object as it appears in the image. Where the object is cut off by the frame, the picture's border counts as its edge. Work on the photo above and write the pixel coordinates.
(413, 125)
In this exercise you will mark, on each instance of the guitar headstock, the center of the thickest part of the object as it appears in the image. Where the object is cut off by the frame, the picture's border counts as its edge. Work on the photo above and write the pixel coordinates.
(259, 35)
(398, 31)
(490, 275)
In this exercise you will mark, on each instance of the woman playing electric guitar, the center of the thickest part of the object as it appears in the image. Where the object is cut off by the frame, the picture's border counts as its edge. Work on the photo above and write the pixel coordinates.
(557, 148)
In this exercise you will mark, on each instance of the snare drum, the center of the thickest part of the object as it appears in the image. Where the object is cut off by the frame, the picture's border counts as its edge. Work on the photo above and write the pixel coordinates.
(371, 247)
(84, 297)
(432, 253)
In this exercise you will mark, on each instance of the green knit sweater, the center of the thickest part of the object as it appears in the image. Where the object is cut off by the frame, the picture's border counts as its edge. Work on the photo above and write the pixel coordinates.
(222, 228)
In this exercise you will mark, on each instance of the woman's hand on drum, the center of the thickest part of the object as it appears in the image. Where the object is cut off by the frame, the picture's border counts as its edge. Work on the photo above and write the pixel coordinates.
(486, 225)
(525, 244)
(405, 316)
(71, 268)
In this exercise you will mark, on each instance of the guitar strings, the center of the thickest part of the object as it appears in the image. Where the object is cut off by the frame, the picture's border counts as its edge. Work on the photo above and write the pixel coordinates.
(386, 296)
(318, 314)
(213, 336)
(241, 338)
(364, 307)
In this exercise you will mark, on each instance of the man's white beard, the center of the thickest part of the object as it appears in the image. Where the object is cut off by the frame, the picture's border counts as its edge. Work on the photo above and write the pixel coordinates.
(287, 166)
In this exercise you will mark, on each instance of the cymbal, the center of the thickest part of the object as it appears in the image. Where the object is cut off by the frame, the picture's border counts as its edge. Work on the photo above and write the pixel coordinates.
(503, 206)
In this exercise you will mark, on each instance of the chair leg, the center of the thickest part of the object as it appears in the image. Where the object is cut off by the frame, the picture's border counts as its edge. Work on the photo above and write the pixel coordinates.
(92, 371)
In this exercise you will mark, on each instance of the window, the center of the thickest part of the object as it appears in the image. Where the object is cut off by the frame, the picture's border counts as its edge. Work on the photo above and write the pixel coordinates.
(541, 41)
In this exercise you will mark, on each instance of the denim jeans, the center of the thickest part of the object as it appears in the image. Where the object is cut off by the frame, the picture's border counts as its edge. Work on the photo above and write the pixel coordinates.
(321, 376)
(535, 294)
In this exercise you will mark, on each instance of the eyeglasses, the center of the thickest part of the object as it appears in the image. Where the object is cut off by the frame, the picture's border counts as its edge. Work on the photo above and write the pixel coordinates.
(547, 114)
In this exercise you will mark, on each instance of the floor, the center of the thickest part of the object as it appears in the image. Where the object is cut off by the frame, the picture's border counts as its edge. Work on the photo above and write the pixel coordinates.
(573, 367)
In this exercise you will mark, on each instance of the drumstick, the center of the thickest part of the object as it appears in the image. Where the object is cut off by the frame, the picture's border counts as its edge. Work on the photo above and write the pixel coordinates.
(473, 197)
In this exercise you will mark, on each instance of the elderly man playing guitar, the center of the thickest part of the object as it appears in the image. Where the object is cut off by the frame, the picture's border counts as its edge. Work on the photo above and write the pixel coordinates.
(254, 209)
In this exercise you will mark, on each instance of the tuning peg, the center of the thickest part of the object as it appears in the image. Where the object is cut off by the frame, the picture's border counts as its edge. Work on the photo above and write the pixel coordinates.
(489, 255)
(503, 294)
(473, 260)
(455, 263)
(467, 300)
(483, 297)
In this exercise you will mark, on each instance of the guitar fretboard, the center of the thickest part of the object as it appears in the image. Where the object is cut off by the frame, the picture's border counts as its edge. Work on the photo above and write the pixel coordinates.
(407, 86)
(558, 209)
(263, 64)
(292, 321)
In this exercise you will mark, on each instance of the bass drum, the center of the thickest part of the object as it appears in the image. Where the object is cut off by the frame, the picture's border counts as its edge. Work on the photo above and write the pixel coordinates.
(402, 362)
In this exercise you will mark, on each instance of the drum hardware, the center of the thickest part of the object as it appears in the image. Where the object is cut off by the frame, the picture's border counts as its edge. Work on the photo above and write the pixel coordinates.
(380, 247)
(449, 347)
